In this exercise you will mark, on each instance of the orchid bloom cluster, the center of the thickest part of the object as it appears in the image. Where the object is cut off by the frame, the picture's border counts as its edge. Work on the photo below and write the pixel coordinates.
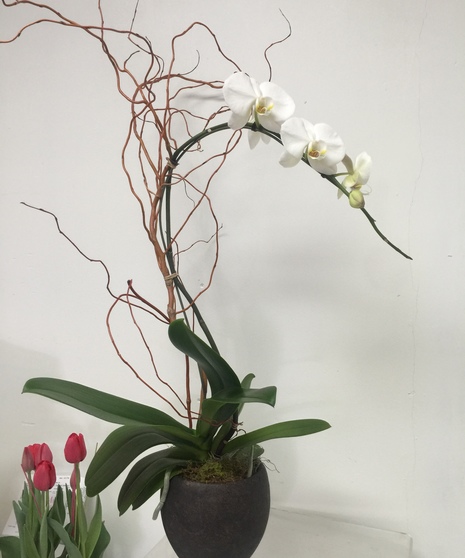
(271, 109)
(42, 523)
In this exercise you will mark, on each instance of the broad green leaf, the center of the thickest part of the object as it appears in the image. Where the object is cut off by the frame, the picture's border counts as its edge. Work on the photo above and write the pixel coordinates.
(43, 537)
(126, 443)
(143, 479)
(58, 511)
(220, 375)
(98, 403)
(102, 543)
(73, 551)
(29, 544)
(214, 413)
(20, 515)
(288, 429)
(81, 519)
(10, 547)
(240, 395)
(95, 527)
(246, 384)
(220, 407)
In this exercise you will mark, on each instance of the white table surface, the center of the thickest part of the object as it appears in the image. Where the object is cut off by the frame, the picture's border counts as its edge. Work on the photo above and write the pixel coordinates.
(295, 534)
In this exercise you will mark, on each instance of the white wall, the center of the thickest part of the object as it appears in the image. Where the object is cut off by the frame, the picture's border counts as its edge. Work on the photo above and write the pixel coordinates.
(306, 295)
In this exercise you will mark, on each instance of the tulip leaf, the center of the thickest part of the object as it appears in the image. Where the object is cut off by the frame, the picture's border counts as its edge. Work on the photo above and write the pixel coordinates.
(98, 403)
(219, 374)
(126, 443)
(10, 547)
(43, 537)
(288, 429)
(102, 543)
(73, 551)
(95, 531)
(29, 544)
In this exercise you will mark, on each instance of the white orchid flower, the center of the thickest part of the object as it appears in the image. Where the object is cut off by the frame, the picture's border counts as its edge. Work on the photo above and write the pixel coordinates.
(266, 103)
(356, 180)
(318, 143)
(359, 173)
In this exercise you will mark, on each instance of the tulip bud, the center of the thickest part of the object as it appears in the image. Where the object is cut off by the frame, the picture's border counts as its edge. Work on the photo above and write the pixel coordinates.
(27, 462)
(40, 452)
(45, 476)
(356, 199)
(75, 448)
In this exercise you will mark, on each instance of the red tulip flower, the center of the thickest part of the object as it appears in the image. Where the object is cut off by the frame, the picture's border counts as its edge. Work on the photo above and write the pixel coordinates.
(45, 476)
(75, 448)
(27, 462)
(40, 452)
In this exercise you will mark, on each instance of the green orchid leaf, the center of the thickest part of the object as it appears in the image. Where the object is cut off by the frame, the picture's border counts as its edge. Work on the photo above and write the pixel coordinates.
(98, 403)
(288, 429)
(143, 479)
(241, 396)
(245, 384)
(220, 407)
(219, 374)
(10, 547)
(126, 443)
(214, 414)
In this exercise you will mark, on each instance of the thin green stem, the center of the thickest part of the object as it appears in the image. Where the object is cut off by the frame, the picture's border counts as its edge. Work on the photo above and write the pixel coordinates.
(167, 241)
(339, 186)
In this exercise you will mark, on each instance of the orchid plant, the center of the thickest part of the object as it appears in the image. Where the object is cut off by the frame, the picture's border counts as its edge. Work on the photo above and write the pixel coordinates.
(57, 525)
(171, 131)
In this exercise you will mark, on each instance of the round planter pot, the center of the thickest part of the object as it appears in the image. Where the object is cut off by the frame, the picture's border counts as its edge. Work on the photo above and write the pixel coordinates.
(217, 520)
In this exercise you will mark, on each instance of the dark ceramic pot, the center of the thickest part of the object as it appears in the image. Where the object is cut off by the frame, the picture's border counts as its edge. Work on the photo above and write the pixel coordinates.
(217, 520)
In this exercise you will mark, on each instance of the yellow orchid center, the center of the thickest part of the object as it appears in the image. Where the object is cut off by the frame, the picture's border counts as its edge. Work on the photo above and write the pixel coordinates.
(316, 150)
(264, 105)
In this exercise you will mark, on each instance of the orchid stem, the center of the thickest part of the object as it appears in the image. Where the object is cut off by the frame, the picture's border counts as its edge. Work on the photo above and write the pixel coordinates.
(333, 180)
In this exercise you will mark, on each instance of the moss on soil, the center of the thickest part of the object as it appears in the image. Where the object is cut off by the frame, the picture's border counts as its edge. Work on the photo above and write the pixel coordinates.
(217, 470)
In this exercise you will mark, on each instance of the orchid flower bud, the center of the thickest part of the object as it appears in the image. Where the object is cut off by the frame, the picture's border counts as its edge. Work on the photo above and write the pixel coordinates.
(45, 476)
(75, 448)
(356, 199)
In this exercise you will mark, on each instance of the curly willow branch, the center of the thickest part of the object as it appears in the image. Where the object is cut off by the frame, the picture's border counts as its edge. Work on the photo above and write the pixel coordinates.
(158, 116)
